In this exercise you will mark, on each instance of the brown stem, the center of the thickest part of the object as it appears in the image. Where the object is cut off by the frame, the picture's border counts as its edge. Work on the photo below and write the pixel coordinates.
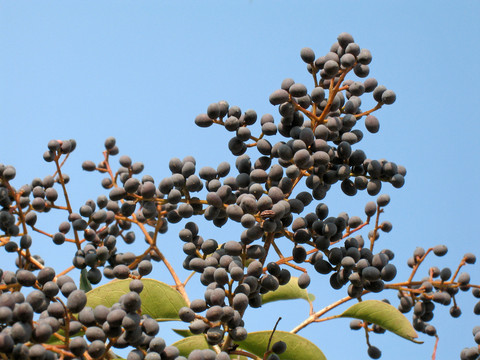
(268, 241)
(63, 162)
(314, 74)
(178, 284)
(309, 114)
(350, 232)
(296, 181)
(65, 195)
(139, 258)
(19, 208)
(66, 271)
(462, 263)
(188, 278)
(375, 229)
(417, 265)
(315, 316)
(367, 338)
(368, 112)
(328, 318)
(58, 207)
(245, 353)
(41, 232)
(331, 95)
(58, 350)
(273, 332)
(30, 259)
(434, 354)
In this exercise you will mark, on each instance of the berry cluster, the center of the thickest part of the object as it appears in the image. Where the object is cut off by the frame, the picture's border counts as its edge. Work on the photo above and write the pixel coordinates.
(276, 197)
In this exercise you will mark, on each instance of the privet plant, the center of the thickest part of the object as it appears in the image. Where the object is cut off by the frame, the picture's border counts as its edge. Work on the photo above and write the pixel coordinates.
(280, 173)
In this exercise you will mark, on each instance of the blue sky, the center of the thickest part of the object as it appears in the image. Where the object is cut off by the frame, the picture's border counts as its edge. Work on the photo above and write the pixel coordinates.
(141, 71)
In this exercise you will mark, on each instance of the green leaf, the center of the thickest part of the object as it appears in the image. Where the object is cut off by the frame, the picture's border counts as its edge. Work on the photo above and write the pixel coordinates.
(187, 345)
(192, 342)
(288, 292)
(298, 348)
(159, 300)
(183, 332)
(114, 356)
(383, 314)
(84, 282)
(54, 340)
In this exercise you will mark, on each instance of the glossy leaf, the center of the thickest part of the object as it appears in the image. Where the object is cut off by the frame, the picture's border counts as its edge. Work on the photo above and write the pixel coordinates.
(384, 315)
(84, 282)
(114, 356)
(192, 342)
(159, 300)
(187, 345)
(288, 292)
(298, 348)
(183, 332)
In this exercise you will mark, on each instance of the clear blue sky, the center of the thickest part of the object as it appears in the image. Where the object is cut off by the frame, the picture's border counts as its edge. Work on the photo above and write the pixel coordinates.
(142, 70)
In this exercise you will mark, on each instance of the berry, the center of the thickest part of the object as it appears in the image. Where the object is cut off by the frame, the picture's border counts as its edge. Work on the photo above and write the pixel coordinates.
(238, 334)
(115, 317)
(440, 250)
(150, 327)
(307, 55)
(37, 352)
(356, 324)
(96, 349)
(76, 301)
(374, 352)
(214, 313)
(279, 347)
(278, 97)
(157, 344)
(469, 258)
(370, 209)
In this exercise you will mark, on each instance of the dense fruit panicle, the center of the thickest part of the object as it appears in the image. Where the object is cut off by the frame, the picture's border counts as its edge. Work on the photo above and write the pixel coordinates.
(284, 168)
